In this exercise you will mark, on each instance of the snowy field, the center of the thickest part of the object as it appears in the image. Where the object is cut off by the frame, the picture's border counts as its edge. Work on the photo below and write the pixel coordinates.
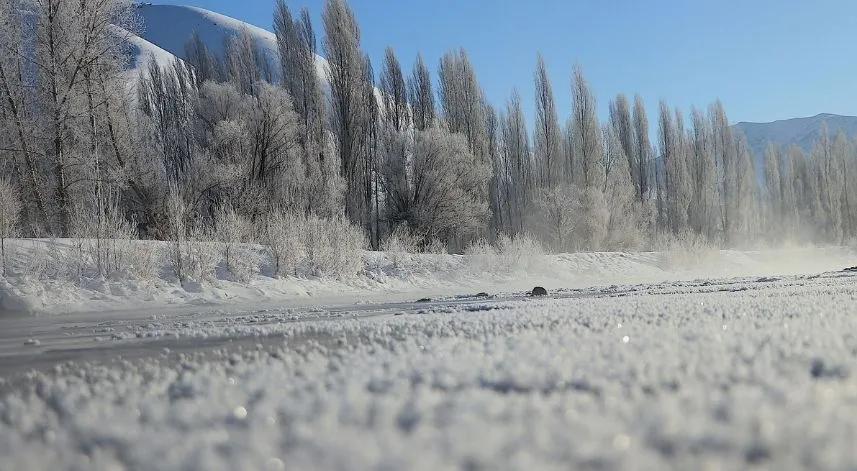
(716, 373)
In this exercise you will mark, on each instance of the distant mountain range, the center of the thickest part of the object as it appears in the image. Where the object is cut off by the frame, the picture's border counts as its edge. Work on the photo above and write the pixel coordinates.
(801, 131)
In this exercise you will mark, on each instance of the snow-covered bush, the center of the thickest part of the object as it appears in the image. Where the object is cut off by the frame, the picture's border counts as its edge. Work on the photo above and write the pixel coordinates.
(334, 247)
(201, 254)
(521, 252)
(481, 255)
(401, 241)
(435, 247)
(232, 232)
(301, 245)
(10, 212)
(176, 210)
(45, 260)
(117, 251)
(281, 234)
(686, 250)
(191, 252)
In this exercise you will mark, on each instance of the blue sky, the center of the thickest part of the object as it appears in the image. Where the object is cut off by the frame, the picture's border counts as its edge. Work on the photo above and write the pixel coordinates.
(765, 59)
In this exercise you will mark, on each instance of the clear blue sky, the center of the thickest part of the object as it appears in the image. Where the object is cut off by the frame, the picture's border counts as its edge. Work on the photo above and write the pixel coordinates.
(765, 59)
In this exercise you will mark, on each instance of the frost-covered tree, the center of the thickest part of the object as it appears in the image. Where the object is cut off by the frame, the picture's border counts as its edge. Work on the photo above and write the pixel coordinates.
(676, 182)
(55, 58)
(788, 204)
(727, 172)
(517, 181)
(274, 152)
(773, 191)
(620, 119)
(447, 201)
(746, 198)
(461, 100)
(421, 96)
(547, 143)
(702, 213)
(206, 65)
(297, 49)
(167, 98)
(244, 62)
(642, 148)
(554, 217)
(586, 133)
(623, 229)
(395, 136)
(496, 196)
(350, 121)
(394, 93)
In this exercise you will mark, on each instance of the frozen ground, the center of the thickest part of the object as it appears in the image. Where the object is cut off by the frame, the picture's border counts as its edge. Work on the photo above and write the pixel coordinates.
(724, 373)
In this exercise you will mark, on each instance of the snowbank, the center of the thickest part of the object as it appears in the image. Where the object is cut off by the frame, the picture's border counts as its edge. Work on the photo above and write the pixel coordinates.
(43, 278)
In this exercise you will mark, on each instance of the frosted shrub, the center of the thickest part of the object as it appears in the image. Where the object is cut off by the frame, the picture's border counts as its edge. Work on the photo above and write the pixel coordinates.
(177, 234)
(401, 241)
(202, 255)
(74, 264)
(46, 261)
(481, 255)
(191, 252)
(685, 250)
(400, 245)
(231, 231)
(10, 212)
(282, 236)
(333, 247)
(521, 252)
(116, 251)
(435, 247)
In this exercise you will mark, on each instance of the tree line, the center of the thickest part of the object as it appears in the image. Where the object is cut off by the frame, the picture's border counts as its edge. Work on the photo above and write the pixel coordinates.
(263, 137)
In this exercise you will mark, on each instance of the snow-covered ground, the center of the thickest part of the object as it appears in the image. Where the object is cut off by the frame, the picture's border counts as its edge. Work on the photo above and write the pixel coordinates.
(706, 374)
(43, 277)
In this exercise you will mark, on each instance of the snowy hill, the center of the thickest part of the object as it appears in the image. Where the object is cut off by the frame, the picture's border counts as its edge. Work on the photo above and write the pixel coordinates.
(170, 26)
(144, 53)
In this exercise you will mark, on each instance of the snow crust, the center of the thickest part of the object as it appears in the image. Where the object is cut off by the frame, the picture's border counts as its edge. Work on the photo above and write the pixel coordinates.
(728, 374)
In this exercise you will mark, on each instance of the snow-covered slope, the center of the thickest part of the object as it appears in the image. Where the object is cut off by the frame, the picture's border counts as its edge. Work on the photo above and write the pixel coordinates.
(170, 26)
(143, 53)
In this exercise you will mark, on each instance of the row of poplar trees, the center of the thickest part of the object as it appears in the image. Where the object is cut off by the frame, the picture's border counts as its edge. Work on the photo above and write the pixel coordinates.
(386, 149)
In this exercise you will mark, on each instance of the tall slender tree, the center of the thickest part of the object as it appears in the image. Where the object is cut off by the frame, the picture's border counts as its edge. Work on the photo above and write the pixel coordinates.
(349, 119)
(421, 96)
(547, 145)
